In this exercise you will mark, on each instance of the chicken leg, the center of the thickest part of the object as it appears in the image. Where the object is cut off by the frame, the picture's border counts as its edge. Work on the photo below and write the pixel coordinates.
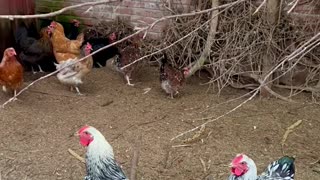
(78, 91)
(4, 88)
(40, 70)
(128, 80)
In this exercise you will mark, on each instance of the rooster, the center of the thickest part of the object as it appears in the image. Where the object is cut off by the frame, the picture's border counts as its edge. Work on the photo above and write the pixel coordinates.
(11, 71)
(126, 56)
(244, 168)
(171, 78)
(71, 73)
(100, 162)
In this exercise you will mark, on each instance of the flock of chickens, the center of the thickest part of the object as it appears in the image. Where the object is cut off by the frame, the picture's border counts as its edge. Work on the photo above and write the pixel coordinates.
(71, 56)
(54, 49)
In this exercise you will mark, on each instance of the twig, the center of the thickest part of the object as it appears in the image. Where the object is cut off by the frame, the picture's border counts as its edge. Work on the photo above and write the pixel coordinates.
(293, 6)
(203, 165)
(135, 159)
(12, 17)
(288, 131)
(77, 156)
(181, 145)
(262, 4)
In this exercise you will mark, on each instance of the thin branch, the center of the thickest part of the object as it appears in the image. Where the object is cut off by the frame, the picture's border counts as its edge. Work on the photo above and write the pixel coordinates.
(77, 156)
(12, 17)
(293, 6)
(258, 9)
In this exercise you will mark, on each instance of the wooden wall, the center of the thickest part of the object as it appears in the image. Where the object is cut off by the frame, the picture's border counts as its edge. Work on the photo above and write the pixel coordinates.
(7, 27)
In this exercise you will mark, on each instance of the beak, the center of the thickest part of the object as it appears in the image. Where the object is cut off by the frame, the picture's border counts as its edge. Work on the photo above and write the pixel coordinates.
(230, 165)
(76, 134)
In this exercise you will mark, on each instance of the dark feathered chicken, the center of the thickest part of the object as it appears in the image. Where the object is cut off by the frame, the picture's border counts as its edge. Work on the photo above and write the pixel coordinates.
(126, 56)
(74, 30)
(100, 162)
(97, 42)
(171, 78)
(33, 51)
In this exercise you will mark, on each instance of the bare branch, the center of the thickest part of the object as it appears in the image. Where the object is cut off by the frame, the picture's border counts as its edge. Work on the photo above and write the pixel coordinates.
(293, 6)
(261, 5)
(12, 17)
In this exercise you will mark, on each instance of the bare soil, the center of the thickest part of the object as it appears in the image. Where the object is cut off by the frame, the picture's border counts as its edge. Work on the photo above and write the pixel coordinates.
(37, 130)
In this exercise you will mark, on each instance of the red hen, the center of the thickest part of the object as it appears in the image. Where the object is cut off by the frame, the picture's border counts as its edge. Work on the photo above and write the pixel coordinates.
(11, 71)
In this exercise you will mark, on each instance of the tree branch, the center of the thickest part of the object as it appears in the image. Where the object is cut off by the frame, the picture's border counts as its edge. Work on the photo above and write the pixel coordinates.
(207, 50)
(12, 17)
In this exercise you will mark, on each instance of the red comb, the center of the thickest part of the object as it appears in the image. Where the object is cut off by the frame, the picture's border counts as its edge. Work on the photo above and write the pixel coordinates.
(83, 129)
(237, 159)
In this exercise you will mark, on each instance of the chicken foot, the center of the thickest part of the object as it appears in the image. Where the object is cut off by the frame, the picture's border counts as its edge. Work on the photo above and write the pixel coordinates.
(40, 69)
(35, 72)
(128, 80)
(77, 89)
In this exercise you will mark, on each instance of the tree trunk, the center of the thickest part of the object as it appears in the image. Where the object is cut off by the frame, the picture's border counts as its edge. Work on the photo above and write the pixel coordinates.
(206, 52)
(274, 9)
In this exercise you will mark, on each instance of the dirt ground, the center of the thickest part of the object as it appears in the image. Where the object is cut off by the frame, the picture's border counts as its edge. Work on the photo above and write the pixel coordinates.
(37, 130)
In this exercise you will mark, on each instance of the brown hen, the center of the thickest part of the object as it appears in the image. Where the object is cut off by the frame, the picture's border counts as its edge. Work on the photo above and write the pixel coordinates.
(64, 48)
(11, 71)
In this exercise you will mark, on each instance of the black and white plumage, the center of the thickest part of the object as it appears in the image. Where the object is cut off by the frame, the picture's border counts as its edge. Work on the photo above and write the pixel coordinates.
(244, 168)
(100, 162)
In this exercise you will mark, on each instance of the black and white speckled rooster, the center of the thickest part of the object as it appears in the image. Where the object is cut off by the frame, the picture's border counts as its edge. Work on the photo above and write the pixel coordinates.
(100, 162)
(171, 78)
(244, 168)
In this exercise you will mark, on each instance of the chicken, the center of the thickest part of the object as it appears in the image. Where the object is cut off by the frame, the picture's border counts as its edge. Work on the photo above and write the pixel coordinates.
(244, 168)
(11, 71)
(74, 29)
(98, 42)
(33, 51)
(72, 74)
(171, 79)
(63, 48)
(126, 56)
(100, 161)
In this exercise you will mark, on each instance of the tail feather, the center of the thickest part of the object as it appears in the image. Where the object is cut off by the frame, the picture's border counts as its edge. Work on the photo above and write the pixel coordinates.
(163, 62)
(283, 168)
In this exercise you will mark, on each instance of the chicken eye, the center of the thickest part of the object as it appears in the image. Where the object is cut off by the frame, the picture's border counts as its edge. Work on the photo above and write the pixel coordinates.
(243, 163)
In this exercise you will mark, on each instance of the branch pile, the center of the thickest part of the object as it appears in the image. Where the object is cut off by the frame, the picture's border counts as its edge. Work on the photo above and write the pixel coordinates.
(240, 43)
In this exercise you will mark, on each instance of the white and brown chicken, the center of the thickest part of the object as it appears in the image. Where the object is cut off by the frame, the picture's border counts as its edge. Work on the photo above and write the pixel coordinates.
(72, 72)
